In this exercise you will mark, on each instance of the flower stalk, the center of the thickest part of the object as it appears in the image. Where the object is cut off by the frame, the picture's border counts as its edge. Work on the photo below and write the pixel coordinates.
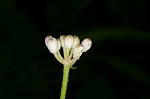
(64, 82)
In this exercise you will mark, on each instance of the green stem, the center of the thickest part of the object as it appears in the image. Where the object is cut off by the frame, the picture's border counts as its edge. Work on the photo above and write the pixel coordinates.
(64, 82)
(59, 55)
(58, 58)
(65, 52)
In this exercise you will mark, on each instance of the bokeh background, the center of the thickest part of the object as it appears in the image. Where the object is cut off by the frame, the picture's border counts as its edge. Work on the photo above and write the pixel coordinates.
(116, 67)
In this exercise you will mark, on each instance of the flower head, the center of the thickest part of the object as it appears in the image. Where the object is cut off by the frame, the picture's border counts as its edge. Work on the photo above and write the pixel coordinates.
(72, 49)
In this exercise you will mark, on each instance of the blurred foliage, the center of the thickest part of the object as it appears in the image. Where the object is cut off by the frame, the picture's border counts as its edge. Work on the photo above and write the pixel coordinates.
(116, 67)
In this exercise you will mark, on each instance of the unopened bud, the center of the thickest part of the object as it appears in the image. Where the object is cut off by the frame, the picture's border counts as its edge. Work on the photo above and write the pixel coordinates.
(76, 41)
(77, 52)
(86, 43)
(52, 44)
(68, 41)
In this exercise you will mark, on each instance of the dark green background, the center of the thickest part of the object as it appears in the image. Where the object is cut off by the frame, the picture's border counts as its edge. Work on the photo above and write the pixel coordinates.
(116, 67)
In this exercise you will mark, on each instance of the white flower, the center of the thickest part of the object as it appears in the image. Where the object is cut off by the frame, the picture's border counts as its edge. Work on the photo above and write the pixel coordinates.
(77, 52)
(76, 41)
(86, 43)
(52, 44)
(68, 41)
(72, 49)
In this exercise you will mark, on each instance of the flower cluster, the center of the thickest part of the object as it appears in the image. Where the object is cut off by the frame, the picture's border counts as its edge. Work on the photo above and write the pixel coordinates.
(72, 49)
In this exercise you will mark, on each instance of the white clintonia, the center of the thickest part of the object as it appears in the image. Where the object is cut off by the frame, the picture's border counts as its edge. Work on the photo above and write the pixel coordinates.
(72, 50)
(86, 43)
(52, 44)
(68, 41)
(70, 44)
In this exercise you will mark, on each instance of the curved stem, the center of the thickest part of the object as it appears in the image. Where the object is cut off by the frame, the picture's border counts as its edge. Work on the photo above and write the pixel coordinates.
(58, 58)
(59, 54)
(64, 82)
(65, 52)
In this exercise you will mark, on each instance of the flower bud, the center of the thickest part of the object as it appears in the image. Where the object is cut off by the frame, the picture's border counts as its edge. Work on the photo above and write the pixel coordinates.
(86, 43)
(77, 52)
(47, 39)
(76, 41)
(62, 40)
(68, 41)
(52, 44)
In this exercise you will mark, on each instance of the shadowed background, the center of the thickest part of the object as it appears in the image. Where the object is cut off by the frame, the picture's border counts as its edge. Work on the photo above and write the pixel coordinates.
(116, 67)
